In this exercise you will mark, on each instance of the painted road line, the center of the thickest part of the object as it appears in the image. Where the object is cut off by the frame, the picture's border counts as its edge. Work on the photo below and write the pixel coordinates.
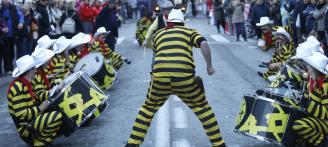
(120, 40)
(176, 98)
(220, 38)
(181, 143)
(180, 118)
(163, 127)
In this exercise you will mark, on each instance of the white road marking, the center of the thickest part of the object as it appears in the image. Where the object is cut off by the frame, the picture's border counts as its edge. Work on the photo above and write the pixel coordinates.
(220, 38)
(180, 119)
(181, 143)
(120, 40)
(163, 127)
(176, 98)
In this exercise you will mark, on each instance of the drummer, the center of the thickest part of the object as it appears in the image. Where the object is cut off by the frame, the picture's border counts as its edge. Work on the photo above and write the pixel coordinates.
(283, 51)
(267, 40)
(59, 61)
(312, 130)
(34, 127)
(78, 48)
(99, 45)
(46, 43)
(41, 83)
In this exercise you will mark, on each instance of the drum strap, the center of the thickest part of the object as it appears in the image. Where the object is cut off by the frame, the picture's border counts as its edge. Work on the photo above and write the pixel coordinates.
(26, 83)
(44, 77)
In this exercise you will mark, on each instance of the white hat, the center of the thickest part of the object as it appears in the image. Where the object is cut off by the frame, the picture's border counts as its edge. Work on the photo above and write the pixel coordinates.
(307, 48)
(100, 31)
(45, 42)
(264, 21)
(61, 44)
(80, 39)
(282, 31)
(168, 4)
(42, 56)
(176, 15)
(318, 61)
(24, 64)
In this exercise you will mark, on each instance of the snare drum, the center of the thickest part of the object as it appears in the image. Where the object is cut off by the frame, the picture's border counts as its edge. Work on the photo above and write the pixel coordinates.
(287, 74)
(267, 120)
(283, 95)
(95, 66)
(78, 100)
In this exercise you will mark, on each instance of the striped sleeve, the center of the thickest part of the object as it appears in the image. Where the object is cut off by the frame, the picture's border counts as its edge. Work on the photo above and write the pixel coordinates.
(196, 39)
(40, 88)
(319, 109)
(21, 103)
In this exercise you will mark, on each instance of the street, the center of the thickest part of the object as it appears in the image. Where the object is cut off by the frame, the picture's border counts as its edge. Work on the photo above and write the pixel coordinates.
(236, 64)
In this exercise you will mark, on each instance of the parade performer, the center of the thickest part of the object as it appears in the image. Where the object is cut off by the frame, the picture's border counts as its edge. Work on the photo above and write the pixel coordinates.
(99, 45)
(78, 48)
(267, 40)
(284, 49)
(312, 130)
(41, 84)
(173, 73)
(142, 26)
(34, 127)
(59, 61)
(159, 23)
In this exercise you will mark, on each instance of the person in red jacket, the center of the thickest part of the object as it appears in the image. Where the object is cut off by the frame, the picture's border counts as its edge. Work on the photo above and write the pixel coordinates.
(87, 15)
(97, 7)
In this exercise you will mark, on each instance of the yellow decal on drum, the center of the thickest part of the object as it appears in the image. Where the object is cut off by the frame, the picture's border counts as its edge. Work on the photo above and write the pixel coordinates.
(97, 95)
(76, 101)
(241, 113)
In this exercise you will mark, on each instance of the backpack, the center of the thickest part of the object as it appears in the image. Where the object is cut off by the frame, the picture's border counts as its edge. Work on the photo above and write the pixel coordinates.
(69, 24)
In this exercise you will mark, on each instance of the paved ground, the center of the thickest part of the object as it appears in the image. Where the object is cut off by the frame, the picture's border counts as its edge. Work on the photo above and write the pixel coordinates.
(175, 125)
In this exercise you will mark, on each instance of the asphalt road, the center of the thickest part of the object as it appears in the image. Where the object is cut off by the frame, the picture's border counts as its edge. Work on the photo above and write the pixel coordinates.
(175, 125)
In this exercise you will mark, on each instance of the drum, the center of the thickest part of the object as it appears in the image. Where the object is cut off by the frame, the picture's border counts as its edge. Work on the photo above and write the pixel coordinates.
(78, 100)
(287, 77)
(267, 120)
(96, 66)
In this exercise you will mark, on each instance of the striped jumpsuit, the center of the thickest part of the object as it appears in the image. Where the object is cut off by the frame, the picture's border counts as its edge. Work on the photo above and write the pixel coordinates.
(34, 128)
(60, 68)
(173, 74)
(41, 85)
(314, 128)
(115, 58)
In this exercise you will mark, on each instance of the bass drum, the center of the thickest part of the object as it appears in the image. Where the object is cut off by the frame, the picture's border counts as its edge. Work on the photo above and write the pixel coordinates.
(77, 101)
(267, 120)
(97, 67)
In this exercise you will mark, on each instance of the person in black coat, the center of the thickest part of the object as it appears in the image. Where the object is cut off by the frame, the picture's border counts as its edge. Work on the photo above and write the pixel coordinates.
(3, 31)
(43, 19)
(107, 18)
(70, 12)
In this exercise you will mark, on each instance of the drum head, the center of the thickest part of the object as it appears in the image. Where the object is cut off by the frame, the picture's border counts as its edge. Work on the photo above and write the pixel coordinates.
(91, 63)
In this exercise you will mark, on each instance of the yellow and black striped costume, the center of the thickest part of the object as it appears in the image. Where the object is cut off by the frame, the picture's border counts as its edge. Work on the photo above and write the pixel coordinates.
(142, 28)
(115, 58)
(73, 58)
(33, 127)
(40, 87)
(173, 74)
(60, 68)
(281, 56)
(314, 128)
(290, 75)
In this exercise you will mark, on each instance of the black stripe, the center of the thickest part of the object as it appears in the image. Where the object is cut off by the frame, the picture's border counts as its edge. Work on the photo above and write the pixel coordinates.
(169, 39)
(136, 137)
(142, 122)
(174, 62)
(150, 109)
(211, 125)
(161, 83)
(20, 101)
(207, 117)
(216, 140)
(158, 36)
(174, 70)
(204, 110)
(139, 129)
(174, 47)
(38, 127)
(46, 120)
(174, 55)
(144, 115)
(213, 132)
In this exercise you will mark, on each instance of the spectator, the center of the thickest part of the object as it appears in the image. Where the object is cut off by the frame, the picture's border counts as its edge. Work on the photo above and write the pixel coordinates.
(71, 12)
(3, 31)
(43, 18)
(227, 5)
(193, 8)
(209, 4)
(55, 15)
(14, 21)
(275, 13)
(87, 15)
(219, 14)
(319, 14)
(142, 5)
(27, 34)
(260, 9)
(284, 13)
(296, 7)
(107, 18)
(97, 7)
(309, 20)
(238, 18)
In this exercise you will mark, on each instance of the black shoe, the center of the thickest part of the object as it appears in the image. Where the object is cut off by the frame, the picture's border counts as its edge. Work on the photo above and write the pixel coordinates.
(260, 92)
(132, 145)
(260, 74)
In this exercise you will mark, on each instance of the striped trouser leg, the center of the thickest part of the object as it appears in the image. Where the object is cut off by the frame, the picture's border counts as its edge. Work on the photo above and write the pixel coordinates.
(46, 127)
(311, 130)
(194, 96)
(116, 60)
(158, 93)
